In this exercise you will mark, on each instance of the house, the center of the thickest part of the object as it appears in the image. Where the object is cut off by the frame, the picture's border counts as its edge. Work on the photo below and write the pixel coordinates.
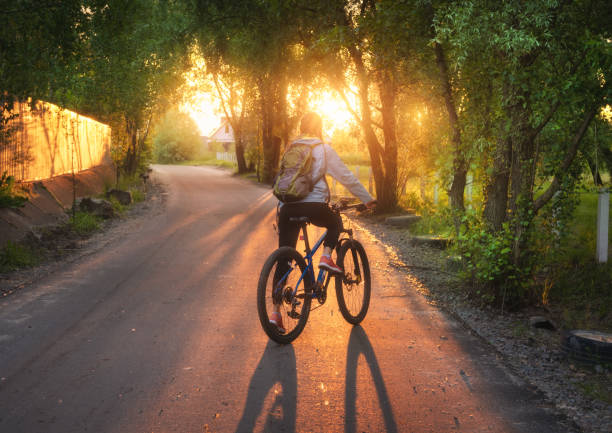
(223, 134)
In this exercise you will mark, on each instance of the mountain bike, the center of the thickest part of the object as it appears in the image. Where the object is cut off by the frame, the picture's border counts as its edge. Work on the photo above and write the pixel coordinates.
(287, 279)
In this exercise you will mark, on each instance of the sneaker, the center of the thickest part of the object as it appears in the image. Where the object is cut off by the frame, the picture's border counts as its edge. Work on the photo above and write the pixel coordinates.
(277, 320)
(328, 264)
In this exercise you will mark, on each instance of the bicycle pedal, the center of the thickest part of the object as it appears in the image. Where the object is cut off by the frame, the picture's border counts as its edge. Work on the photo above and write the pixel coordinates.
(293, 314)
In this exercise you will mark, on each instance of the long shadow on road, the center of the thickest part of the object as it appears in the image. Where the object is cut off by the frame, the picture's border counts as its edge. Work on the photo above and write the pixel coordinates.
(359, 344)
(277, 366)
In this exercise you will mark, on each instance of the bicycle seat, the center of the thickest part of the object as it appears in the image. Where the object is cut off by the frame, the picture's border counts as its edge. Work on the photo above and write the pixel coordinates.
(300, 220)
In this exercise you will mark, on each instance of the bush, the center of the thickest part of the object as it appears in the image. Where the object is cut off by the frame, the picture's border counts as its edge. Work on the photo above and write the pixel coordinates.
(9, 198)
(14, 256)
(433, 222)
(84, 223)
(176, 139)
(488, 263)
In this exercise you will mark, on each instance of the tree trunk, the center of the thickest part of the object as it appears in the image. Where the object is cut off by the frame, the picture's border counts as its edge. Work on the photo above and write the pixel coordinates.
(242, 166)
(460, 166)
(496, 189)
(388, 195)
(130, 156)
(269, 140)
(386, 186)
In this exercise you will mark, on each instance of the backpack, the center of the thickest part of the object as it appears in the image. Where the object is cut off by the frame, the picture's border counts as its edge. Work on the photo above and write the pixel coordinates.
(294, 180)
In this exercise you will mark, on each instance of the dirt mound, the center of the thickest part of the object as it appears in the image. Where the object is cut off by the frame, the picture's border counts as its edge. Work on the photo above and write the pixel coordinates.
(49, 199)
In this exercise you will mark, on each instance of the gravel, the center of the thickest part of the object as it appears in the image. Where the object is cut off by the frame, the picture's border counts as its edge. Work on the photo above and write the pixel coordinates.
(532, 353)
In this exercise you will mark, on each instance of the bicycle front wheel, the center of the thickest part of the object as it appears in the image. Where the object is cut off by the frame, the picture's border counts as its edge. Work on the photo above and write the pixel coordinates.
(276, 291)
(354, 286)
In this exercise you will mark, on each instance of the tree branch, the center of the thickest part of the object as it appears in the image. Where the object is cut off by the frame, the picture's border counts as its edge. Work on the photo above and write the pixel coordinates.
(556, 105)
(567, 161)
(348, 105)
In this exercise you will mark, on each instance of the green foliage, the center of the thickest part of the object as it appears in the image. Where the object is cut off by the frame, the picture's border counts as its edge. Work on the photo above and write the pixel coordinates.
(132, 183)
(39, 43)
(433, 222)
(488, 263)
(15, 256)
(84, 223)
(176, 138)
(9, 198)
(117, 206)
(137, 195)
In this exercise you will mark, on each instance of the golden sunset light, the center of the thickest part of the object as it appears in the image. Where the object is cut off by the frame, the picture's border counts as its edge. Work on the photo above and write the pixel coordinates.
(333, 110)
(204, 110)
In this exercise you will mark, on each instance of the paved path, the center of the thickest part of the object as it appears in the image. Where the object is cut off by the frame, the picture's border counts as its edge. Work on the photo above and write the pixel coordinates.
(158, 332)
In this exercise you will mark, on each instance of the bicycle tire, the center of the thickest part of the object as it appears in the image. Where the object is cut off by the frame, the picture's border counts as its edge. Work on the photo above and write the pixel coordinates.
(265, 289)
(353, 298)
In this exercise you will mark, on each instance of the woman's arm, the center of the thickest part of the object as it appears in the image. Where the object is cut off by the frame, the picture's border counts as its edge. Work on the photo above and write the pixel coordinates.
(339, 171)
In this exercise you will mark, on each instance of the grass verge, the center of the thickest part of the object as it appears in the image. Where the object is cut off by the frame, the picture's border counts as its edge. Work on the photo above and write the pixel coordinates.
(84, 223)
(15, 256)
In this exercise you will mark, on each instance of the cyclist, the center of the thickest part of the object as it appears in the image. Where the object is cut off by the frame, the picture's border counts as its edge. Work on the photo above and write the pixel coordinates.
(315, 205)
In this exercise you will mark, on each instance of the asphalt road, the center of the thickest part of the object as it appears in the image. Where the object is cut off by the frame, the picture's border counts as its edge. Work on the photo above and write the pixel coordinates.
(158, 332)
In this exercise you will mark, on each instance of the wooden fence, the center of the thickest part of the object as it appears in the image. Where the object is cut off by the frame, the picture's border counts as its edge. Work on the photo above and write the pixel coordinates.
(46, 141)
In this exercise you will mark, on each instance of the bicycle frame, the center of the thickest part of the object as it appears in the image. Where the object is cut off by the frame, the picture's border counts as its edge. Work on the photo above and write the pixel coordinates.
(309, 262)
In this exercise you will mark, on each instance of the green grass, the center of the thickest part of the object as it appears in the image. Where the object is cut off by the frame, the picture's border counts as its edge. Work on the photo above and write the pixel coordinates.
(84, 223)
(133, 184)
(117, 206)
(137, 195)
(363, 176)
(432, 223)
(597, 388)
(9, 196)
(208, 161)
(584, 224)
(15, 256)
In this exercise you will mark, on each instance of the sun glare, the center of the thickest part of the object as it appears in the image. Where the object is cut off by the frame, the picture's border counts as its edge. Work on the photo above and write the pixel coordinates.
(202, 108)
(332, 110)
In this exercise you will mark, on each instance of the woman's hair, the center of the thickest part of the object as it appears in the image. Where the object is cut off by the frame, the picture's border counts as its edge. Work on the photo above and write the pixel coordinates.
(311, 124)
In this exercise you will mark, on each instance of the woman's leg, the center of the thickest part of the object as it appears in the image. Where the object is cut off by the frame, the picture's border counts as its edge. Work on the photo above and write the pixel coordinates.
(320, 215)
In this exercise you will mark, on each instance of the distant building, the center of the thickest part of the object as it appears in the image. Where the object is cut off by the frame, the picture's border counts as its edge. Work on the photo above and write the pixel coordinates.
(224, 134)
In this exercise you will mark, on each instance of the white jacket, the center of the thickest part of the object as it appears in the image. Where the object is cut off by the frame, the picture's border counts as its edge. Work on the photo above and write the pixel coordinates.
(327, 161)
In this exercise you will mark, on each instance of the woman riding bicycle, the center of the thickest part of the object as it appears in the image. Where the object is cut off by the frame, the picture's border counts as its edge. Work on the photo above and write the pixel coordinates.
(315, 205)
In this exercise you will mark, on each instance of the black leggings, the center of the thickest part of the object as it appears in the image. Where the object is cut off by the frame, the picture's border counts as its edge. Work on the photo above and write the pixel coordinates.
(320, 215)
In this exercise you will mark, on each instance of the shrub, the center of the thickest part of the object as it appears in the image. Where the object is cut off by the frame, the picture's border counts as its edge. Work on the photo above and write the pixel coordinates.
(9, 198)
(488, 263)
(14, 256)
(137, 195)
(84, 223)
(176, 139)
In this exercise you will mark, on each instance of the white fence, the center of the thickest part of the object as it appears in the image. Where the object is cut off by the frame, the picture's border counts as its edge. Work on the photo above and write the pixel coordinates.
(227, 156)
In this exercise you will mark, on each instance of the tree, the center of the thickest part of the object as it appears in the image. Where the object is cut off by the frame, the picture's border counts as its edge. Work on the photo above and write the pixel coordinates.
(534, 76)
(255, 38)
(378, 44)
(234, 91)
(135, 52)
(39, 40)
(176, 138)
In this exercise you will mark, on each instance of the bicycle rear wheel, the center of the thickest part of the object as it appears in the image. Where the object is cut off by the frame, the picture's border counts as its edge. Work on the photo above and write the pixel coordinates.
(354, 286)
(277, 282)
